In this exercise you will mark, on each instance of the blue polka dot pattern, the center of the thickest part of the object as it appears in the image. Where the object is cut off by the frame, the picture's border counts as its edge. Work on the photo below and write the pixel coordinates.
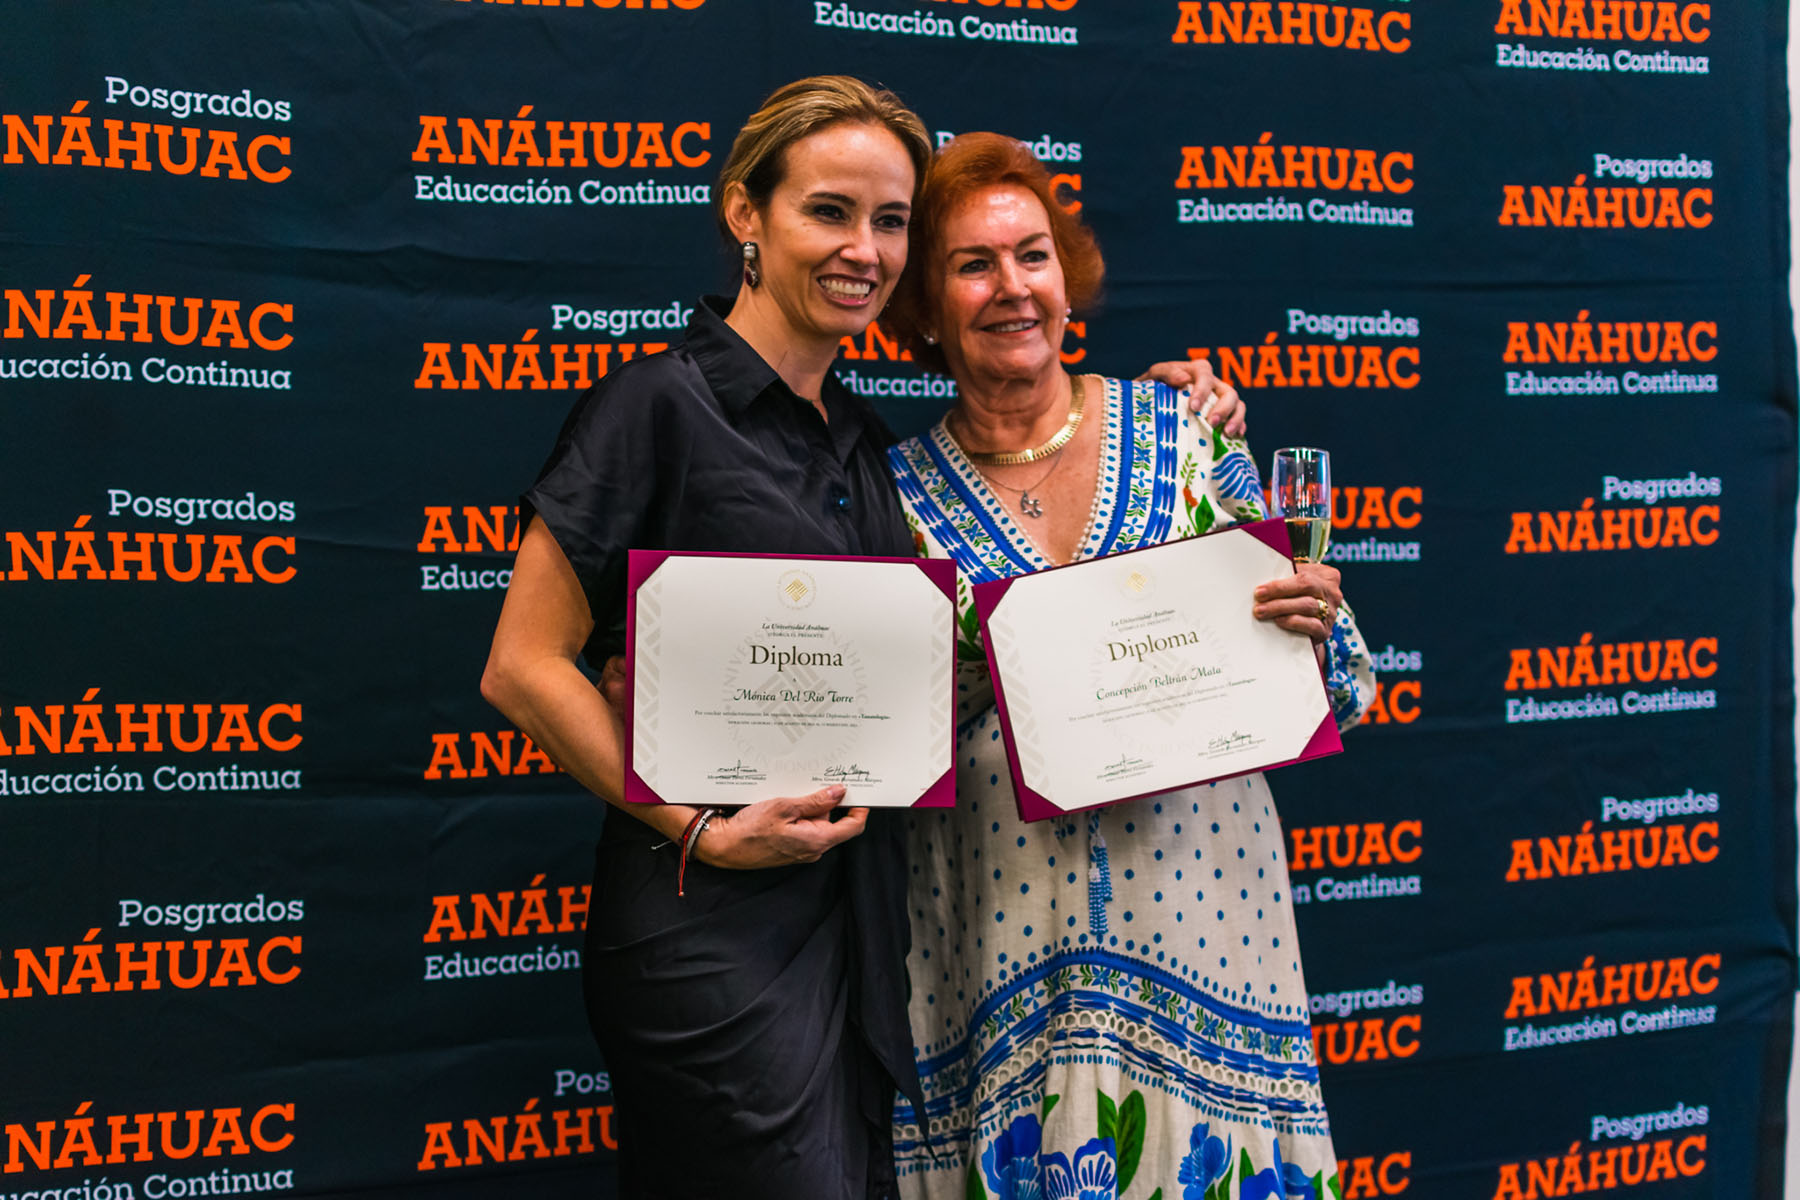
(1114, 1000)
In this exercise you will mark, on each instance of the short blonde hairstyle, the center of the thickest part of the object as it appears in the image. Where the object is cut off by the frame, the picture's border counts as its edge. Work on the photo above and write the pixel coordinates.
(800, 109)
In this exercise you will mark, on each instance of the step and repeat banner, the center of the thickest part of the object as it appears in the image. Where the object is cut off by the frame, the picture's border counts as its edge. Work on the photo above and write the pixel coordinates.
(296, 296)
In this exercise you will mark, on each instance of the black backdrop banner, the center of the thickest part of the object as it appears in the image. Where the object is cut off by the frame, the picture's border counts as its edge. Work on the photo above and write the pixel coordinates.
(296, 296)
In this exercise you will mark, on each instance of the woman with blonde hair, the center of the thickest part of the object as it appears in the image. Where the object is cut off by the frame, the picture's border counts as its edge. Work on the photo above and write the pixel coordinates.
(755, 1027)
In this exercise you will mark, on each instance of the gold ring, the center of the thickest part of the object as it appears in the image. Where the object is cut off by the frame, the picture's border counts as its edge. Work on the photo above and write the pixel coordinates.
(1324, 612)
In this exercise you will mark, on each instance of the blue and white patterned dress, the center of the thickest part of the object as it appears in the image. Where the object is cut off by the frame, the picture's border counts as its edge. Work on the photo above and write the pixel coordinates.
(1110, 1005)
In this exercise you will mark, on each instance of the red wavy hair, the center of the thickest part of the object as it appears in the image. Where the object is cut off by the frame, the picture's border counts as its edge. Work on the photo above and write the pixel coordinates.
(971, 163)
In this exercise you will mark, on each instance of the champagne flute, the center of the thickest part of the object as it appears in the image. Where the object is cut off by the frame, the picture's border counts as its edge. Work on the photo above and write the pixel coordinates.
(1300, 494)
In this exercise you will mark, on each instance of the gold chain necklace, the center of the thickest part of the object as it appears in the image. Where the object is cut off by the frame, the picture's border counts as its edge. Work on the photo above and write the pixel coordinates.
(1013, 458)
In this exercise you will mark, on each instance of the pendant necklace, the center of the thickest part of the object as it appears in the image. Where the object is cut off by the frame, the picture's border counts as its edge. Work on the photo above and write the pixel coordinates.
(1030, 505)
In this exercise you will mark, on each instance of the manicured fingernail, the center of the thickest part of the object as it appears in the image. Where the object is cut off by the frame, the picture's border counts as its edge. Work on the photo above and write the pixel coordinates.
(835, 791)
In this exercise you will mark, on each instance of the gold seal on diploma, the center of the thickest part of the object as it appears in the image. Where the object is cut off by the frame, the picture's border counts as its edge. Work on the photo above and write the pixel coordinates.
(796, 589)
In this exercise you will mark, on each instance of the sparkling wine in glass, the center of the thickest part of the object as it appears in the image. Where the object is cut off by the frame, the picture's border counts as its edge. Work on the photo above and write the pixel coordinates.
(1300, 494)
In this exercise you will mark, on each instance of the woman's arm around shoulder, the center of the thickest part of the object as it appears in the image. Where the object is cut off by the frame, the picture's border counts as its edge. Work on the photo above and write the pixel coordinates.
(1217, 481)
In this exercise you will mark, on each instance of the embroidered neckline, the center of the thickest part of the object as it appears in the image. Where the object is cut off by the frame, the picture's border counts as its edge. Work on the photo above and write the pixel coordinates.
(1133, 501)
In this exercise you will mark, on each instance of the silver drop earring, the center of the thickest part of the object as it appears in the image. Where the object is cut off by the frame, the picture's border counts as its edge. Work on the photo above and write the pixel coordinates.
(752, 274)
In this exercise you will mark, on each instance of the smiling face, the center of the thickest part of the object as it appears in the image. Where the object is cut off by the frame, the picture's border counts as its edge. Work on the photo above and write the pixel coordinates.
(1001, 303)
(832, 239)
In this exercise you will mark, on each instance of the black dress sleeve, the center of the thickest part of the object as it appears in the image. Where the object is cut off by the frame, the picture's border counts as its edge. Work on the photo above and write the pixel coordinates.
(597, 492)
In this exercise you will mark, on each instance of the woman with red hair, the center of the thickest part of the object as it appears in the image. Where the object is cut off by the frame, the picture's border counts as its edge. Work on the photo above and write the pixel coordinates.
(1114, 997)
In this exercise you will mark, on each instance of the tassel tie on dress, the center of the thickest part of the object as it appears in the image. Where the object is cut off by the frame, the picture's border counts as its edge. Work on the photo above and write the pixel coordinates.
(1099, 878)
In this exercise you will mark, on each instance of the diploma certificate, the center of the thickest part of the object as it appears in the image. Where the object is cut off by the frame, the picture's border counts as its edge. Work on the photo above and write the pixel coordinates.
(755, 676)
(1144, 672)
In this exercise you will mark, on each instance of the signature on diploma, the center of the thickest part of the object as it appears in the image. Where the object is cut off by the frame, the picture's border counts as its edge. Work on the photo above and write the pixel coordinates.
(1125, 763)
(1230, 741)
(737, 768)
(853, 771)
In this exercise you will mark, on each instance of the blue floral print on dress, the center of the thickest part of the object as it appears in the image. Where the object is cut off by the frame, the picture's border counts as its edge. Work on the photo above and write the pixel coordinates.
(1093, 1176)
(1011, 1162)
(1205, 1162)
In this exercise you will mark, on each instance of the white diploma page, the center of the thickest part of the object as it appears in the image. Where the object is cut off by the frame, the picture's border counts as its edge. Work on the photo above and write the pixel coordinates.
(758, 677)
(1146, 671)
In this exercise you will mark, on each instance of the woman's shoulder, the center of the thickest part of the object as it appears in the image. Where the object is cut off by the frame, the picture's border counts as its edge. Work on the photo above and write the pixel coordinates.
(1152, 409)
(1127, 386)
(1143, 397)
(643, 378)
(913, 456)
(642, 389)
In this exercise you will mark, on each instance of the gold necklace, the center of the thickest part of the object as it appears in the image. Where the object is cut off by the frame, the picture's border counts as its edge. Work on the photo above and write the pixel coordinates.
(1013, 458)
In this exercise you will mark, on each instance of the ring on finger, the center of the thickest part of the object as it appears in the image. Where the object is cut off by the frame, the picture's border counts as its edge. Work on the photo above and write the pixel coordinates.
(1324, 611)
